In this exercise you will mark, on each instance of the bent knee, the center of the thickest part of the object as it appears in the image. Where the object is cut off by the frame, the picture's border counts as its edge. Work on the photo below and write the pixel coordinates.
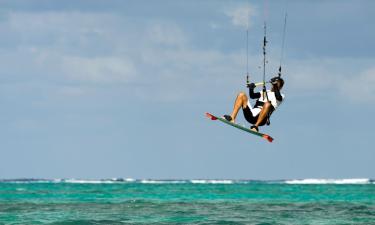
(267, 105)
(242, 95)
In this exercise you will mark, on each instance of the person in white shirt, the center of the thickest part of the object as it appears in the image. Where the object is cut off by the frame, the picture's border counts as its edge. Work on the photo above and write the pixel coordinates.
(265, 105)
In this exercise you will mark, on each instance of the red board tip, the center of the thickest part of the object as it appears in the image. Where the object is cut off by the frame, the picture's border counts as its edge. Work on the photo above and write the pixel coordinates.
(212, 117)
(268, 138)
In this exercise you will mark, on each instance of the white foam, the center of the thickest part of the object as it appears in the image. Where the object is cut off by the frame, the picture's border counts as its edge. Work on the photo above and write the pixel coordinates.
(130, 180)
(163, 181)
(194, 181)
(28, 181)
(212, 181)
(152, 182)
(77, 181)
(330, 181)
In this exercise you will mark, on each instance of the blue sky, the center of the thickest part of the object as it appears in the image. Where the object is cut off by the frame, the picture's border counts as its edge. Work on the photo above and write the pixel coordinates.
(98, 89)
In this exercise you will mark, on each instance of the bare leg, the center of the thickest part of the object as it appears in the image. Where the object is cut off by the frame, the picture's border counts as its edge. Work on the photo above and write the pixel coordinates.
(241, 101)
(263, 113)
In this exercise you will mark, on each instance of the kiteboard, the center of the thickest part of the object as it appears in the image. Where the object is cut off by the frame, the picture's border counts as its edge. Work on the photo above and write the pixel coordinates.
(265, 136)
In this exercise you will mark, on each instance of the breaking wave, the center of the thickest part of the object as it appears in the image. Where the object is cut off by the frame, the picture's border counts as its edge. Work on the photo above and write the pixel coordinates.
(193, 181)
(213, 181)
(330, 181)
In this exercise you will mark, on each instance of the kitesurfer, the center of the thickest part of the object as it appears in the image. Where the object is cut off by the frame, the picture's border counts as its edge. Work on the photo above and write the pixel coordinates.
(265, 104)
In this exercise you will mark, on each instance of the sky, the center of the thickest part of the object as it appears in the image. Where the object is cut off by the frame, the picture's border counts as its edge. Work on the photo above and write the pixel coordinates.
(110, 88)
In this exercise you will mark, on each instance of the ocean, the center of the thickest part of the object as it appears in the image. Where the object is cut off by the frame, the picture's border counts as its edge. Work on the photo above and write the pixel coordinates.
(129, 201)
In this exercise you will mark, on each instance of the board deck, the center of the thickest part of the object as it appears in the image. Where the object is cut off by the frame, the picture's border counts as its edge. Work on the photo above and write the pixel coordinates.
(265, 136)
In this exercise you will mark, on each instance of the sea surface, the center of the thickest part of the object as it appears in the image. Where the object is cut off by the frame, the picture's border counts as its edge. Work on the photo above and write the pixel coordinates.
(129, 201)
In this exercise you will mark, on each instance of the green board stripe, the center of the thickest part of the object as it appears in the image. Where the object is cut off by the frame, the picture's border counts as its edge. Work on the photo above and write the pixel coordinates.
(240, 127)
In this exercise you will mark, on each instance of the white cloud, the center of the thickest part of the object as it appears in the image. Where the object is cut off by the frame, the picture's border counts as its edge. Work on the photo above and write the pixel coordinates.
(365, 86)
(98, 70)
(176, 75)
(167, 34)
(241, 16)
(73, 91)
(74, 23)
(214, 25)
(311, 74)
(66, 44)
(63, 47)
(158, 56)
(25, 125)
(344, 78)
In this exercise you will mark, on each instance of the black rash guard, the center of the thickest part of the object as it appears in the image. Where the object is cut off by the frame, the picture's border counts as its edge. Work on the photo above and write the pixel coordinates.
(253, 95)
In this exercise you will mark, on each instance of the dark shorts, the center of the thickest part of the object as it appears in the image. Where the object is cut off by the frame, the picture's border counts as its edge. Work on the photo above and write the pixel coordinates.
(253, 119)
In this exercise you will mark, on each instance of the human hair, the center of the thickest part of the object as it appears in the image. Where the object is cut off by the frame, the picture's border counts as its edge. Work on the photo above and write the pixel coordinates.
(281, 82)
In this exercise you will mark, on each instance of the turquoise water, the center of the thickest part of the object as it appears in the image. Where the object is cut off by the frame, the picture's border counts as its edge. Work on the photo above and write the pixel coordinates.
(185, 202)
